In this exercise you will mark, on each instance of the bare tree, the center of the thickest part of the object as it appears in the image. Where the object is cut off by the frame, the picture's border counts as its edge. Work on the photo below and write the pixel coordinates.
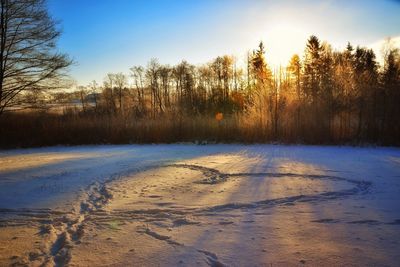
(137, 73)
(120, 82)
(28, 61)
(152, 75)
(294, 70)
(165, 77)
(82, 96)
(108, 93)
(94, 91)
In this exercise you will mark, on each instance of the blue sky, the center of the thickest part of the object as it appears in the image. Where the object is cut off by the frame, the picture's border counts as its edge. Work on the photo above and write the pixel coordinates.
(113, 35)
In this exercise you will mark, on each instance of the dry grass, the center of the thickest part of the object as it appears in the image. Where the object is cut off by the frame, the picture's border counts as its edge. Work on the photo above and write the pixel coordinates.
(42, 129)
(33, 129)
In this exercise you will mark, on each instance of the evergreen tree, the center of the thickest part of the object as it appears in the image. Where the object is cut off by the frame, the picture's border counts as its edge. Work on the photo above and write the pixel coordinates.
(312, 68)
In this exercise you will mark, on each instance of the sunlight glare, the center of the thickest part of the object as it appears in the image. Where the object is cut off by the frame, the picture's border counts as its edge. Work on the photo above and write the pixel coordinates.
(282, 40)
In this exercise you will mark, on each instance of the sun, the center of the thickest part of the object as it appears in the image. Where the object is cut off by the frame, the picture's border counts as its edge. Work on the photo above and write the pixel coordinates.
(282, 40)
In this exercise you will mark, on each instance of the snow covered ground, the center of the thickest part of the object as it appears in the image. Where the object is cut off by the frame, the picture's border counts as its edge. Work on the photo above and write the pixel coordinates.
(188, 205)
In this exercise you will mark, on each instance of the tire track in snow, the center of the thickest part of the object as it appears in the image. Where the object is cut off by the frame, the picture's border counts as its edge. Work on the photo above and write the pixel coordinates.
(214, 176)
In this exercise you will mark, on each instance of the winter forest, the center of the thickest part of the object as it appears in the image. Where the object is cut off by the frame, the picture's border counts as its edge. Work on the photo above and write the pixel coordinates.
(324, 96)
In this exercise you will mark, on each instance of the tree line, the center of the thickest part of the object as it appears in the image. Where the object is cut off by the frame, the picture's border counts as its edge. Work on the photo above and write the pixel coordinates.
(323, 96)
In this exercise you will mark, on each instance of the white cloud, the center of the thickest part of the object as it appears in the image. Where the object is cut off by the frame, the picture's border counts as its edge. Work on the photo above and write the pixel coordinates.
(379, 46)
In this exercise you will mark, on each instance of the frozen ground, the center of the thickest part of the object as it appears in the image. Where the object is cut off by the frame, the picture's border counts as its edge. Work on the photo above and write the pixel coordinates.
(187, 205)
